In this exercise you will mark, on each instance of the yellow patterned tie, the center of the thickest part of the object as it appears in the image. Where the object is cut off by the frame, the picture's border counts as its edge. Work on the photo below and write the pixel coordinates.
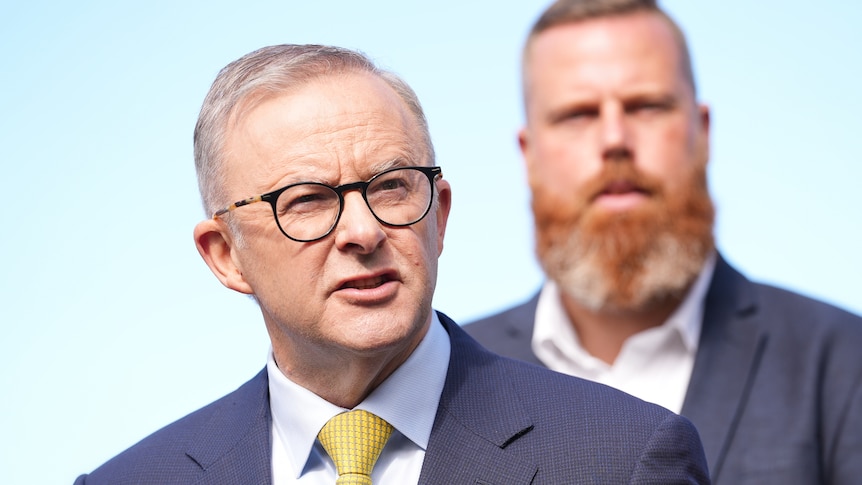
(354, 440)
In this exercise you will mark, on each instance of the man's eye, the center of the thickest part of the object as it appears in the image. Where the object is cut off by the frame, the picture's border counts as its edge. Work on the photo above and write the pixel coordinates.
(305, 200)
(391, 184)
(579, 114)
(648, 107)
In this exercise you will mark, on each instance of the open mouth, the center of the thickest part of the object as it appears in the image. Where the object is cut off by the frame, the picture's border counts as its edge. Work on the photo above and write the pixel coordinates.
(366, 283)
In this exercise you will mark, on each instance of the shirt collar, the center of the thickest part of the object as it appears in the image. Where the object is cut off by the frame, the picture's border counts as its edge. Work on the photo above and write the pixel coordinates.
(407, 399)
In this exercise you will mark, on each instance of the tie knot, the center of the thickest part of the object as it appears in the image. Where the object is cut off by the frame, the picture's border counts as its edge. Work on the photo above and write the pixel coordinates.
(354, 441)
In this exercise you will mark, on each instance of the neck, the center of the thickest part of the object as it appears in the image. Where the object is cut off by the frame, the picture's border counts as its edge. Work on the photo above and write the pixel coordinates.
(603, 332)
(344, 378)
(345, 385)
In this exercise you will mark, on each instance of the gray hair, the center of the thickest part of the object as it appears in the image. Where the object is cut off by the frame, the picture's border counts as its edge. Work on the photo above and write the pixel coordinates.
(563, 12)
(266, 72)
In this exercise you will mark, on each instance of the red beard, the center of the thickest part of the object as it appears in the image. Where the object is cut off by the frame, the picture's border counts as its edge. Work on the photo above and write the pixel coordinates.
(625, 260)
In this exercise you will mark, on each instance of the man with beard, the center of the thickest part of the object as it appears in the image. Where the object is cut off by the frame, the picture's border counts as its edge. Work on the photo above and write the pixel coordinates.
(637, 297)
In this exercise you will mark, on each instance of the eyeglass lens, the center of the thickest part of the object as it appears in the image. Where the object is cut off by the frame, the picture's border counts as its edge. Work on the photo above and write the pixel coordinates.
(398, 197)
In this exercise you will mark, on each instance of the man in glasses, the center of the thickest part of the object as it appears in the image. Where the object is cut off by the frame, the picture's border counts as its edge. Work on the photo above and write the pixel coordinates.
(327, 208)
(616, 147)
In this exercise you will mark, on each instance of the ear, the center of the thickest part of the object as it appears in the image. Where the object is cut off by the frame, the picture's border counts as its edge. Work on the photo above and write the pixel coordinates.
(444, 204)
(704, 120)
(524, 145)
(216, 246)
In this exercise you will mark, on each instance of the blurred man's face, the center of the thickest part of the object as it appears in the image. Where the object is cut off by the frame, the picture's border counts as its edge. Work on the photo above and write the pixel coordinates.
(365, 289)
(616, 149)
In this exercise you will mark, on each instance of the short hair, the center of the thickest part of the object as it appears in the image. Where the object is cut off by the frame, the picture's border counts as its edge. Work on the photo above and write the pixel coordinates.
(267, 72)
(563, 12)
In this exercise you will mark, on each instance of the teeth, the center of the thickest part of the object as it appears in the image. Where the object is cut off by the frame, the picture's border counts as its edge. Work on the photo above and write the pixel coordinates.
(366, 283)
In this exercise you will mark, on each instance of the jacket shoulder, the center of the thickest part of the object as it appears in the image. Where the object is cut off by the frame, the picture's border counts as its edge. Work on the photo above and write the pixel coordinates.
(181, 451)
(795, 307)
(508, 332)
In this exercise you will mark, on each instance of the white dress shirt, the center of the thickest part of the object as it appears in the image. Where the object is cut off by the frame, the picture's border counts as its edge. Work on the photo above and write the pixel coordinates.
(654, 365)
(407, 399)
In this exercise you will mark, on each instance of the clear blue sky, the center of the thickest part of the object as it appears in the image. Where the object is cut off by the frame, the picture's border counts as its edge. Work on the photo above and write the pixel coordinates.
(112, 326)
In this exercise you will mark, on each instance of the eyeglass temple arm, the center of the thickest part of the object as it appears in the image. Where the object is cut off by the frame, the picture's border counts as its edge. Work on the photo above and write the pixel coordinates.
(240, 203)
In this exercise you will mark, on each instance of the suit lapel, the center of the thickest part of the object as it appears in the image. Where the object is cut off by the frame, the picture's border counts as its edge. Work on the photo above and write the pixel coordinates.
(235, 446)
(519, 332)
(475, 421)
(457, 454)
(728, 356)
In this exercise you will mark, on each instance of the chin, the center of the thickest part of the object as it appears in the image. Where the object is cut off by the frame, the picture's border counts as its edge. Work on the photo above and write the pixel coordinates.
(380, 331)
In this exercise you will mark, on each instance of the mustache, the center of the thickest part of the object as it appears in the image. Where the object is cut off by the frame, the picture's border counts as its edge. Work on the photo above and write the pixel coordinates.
(620, 176)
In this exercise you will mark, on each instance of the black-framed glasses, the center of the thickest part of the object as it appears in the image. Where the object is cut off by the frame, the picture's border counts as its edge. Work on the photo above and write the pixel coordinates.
(308, 211)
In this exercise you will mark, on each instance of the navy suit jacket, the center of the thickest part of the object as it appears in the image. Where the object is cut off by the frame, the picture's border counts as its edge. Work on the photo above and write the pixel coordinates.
(776, 389)
(500, 421)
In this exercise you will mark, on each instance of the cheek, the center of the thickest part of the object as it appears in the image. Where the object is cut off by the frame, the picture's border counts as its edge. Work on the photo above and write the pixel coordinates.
(555, 179)
(437, 232)
(429, 249)
(668, 154)
(562, 163)
(418, 248)
(286, 268)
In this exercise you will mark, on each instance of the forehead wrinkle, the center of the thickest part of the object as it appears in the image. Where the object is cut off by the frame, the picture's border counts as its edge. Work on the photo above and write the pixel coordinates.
(382, 154)
(392, 135)
(373, 151)
(353, 137)
(385, 141)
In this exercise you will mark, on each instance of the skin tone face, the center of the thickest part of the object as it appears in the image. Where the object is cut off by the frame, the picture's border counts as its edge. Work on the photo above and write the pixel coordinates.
(345, 311)
(599, 89)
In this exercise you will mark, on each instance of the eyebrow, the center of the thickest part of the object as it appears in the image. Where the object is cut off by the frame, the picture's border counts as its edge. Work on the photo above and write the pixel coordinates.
(391, 163)
(663, 98)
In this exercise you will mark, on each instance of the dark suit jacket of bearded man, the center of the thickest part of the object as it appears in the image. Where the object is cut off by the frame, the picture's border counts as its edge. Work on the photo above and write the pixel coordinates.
(776, 388)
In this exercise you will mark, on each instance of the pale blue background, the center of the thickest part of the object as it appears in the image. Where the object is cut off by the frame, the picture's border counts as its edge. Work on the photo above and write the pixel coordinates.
(112, 326)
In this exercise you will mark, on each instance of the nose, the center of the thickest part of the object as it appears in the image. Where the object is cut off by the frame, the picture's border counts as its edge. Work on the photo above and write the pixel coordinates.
(358, 229)
(614, 132)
